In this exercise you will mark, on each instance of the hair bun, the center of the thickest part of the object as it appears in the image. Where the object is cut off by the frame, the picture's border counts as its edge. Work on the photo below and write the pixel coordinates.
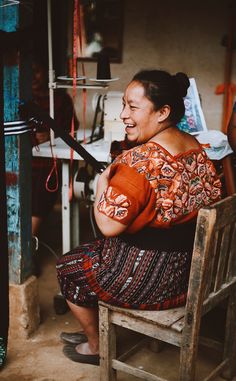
(182, 82)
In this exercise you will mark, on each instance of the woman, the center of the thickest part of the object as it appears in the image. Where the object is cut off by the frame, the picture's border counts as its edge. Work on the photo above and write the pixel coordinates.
(146, 206)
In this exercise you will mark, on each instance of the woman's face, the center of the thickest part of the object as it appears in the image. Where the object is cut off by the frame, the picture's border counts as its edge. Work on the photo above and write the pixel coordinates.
(138, 115)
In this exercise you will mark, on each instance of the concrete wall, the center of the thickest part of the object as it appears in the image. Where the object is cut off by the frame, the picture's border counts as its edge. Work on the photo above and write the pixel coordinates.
(176, 36)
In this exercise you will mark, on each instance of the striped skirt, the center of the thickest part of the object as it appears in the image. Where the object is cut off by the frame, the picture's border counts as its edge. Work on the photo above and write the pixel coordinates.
(117, 273)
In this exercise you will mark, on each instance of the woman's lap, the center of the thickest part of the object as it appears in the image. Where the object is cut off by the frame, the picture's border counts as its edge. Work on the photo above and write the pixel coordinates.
(112, 271)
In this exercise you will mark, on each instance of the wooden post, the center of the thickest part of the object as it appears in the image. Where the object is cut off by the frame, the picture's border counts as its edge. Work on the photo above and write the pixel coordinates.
(230, 181)
(4, 286)
(13, 18)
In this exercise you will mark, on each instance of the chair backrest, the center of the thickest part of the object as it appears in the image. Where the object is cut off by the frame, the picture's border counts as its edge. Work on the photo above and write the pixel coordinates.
(213, 268)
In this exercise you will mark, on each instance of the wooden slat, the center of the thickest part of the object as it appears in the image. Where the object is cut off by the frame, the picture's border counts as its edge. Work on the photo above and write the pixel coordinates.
(165, 318)
(216, 371)
(226, 211)
(133, 350)
(211, 265)
(211, 343)
(231, 270)
(118, 365)
(148, 328)
(219, 296)
(223, 258)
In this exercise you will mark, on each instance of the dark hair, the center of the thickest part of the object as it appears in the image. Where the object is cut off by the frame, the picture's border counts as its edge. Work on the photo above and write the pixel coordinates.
(162, 88)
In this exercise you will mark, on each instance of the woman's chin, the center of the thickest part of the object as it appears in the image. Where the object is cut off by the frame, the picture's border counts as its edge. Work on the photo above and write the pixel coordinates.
(131, 138)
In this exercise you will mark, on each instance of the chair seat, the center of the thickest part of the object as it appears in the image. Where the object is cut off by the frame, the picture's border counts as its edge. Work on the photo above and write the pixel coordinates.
(171, 319)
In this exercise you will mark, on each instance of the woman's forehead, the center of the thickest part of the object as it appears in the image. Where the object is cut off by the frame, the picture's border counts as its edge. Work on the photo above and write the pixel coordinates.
(134, 90)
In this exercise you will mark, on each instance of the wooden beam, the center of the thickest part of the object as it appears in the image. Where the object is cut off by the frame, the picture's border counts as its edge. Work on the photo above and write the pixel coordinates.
(17, 148)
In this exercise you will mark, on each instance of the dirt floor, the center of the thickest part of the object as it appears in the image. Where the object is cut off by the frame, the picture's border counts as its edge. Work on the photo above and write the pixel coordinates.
(40, 357)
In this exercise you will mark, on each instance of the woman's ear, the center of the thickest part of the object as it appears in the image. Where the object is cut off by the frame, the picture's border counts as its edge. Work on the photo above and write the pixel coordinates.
(163, 113)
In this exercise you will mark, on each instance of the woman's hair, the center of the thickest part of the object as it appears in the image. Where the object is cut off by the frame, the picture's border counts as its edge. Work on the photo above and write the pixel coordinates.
(162, 88)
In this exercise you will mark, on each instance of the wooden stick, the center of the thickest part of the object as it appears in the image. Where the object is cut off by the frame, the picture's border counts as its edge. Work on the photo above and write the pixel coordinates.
(230, 182)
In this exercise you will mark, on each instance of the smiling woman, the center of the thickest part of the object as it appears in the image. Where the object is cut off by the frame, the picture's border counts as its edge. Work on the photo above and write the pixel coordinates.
(146, 205)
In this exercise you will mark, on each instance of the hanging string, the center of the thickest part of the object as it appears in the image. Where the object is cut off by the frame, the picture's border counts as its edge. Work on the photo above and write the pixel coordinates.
(54, 165)
(84, 92)
(54, 169)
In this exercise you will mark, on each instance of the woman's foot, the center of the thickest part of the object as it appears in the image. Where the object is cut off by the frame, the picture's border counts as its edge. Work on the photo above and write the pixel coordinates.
(81, 353)
(85, 349)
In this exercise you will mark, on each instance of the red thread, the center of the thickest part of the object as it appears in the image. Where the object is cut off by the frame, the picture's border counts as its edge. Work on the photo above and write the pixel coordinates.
(54, 169)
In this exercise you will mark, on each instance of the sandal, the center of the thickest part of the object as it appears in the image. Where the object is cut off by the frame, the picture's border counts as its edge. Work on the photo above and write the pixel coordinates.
(71, 352)
(73, 337)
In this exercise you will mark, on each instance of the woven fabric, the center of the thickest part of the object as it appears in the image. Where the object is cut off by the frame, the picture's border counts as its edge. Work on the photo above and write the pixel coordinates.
(115, 272)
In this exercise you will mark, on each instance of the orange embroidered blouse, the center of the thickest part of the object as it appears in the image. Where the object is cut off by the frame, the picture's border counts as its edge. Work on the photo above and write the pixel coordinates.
(151, 187)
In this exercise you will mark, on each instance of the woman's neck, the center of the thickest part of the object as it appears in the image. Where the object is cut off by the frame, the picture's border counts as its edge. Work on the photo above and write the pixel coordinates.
(163, 131)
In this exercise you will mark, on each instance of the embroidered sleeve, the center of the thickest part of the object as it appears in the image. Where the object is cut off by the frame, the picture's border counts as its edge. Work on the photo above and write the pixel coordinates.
(127, 194)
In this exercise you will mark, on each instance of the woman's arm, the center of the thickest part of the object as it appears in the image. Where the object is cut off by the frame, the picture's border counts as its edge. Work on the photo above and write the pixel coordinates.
(232, 129)
(107, 225)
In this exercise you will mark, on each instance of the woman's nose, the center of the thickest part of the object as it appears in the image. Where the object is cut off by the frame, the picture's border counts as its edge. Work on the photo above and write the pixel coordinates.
(124, 113)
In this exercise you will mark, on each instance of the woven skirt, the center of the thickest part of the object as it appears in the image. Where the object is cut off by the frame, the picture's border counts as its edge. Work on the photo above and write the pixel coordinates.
(127, 276)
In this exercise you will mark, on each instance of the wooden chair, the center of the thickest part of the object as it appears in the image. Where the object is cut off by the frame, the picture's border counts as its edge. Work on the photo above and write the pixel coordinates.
(212, 282)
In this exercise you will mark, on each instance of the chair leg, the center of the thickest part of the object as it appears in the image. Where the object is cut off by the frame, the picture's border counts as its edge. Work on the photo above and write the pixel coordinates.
(107, 345)
(156, 345)
(189, 349)
(187, 364)
(230, 338)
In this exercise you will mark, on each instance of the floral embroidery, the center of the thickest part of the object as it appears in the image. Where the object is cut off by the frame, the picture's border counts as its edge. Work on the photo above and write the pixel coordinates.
(182, 183)
(113, 204)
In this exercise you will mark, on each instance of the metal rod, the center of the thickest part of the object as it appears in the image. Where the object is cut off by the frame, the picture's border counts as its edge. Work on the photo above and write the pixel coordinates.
(51, 74)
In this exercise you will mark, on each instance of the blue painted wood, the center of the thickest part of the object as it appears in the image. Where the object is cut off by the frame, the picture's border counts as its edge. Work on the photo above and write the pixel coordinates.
(4, 268)
(9, 17)
(18, 160)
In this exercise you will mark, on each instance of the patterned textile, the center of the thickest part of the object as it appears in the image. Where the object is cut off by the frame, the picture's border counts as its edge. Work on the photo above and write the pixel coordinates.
(113, 271)
(178, 186)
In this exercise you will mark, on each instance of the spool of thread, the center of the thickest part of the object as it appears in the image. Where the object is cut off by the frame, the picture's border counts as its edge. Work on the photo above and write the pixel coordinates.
(103, 67)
